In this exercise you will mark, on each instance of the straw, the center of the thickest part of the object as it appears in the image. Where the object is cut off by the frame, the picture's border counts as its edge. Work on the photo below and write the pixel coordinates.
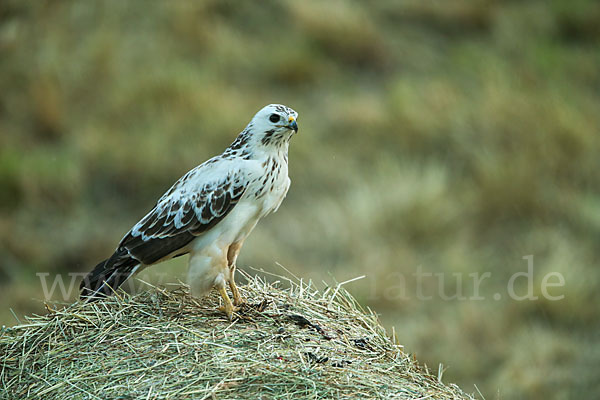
(293, 342)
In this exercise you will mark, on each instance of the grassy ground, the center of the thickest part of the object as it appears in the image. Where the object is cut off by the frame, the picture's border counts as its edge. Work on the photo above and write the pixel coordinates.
(293, 342)
(456, 137)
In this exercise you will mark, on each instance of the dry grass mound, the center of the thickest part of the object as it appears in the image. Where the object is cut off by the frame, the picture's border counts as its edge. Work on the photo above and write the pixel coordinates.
(295, 342)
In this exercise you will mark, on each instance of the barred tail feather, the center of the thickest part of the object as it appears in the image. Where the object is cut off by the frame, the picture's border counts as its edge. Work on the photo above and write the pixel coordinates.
(108, 276)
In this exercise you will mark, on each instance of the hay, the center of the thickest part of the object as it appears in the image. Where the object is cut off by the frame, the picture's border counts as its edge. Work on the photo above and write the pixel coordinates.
(286, 343)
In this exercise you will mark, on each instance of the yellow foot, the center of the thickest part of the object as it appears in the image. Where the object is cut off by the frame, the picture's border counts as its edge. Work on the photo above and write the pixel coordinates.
(229, 311)
(237, 297)
(228, 307)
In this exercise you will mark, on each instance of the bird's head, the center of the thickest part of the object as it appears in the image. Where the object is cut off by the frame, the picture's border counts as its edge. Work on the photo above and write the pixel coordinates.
(274, 124)
(269, 130)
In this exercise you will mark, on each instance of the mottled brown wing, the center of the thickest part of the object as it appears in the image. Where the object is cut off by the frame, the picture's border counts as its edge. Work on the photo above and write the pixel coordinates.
(179, 217)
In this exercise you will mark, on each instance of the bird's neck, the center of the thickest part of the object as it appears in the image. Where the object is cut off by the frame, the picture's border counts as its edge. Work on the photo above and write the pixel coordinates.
(250, 146)
(274, 150)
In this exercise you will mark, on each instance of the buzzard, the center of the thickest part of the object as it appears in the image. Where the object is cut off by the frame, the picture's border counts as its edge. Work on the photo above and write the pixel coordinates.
(209, 212)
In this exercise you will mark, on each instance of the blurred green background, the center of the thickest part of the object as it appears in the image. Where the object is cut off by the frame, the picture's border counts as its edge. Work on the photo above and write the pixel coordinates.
(452, 136)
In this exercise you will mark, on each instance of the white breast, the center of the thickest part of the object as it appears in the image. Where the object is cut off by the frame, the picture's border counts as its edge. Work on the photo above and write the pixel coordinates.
(276, 191)
(262, 197)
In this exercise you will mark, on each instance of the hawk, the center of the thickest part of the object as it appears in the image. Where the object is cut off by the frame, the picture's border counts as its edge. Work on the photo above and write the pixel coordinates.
(209, 212)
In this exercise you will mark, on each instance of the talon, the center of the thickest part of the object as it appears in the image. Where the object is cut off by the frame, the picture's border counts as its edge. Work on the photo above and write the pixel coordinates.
(229, 312)
(228, 308)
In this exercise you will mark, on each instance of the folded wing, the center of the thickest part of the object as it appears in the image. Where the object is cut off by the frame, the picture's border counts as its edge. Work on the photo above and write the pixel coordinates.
(184, 212)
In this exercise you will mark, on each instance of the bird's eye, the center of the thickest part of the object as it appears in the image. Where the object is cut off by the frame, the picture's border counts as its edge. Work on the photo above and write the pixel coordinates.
(274, 118)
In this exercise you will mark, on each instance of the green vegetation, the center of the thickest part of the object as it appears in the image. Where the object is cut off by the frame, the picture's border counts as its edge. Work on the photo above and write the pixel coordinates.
(458, 136)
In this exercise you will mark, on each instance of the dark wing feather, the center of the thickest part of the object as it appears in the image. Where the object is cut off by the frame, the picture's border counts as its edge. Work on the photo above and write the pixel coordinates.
(180, 216)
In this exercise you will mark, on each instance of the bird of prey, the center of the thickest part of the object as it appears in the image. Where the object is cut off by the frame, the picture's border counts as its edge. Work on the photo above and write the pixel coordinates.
(209, 212)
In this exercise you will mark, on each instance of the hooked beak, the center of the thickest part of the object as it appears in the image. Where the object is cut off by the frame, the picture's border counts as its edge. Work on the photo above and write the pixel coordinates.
(292, 124)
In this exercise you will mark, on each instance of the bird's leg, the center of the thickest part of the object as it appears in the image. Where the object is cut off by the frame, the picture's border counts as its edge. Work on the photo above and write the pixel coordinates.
(232, 254)
(228, 308)
(237, 298)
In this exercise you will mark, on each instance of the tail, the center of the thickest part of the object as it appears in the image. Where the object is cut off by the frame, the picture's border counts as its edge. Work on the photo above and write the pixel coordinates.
(108, 276)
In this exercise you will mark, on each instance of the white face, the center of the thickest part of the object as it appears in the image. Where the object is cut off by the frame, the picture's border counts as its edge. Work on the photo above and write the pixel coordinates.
(275, 120)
